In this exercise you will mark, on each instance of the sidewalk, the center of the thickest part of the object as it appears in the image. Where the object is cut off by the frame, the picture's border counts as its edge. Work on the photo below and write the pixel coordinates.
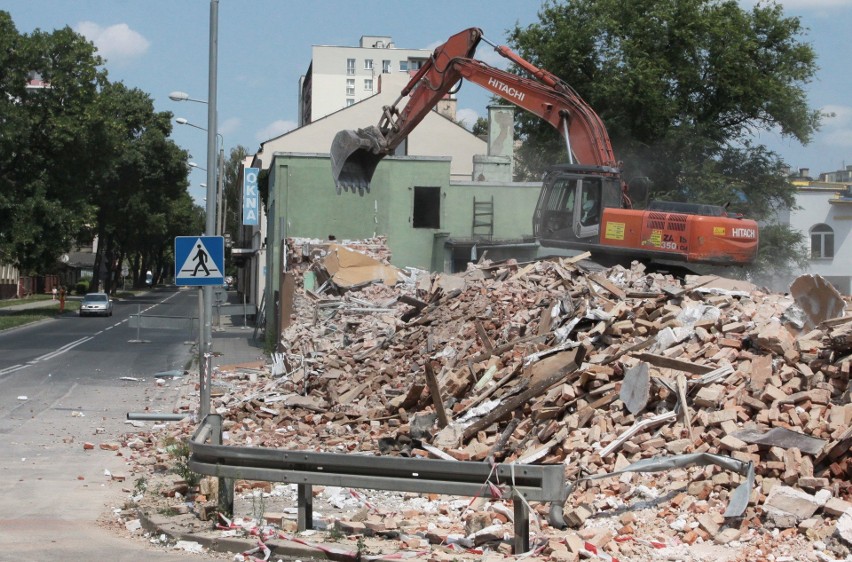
(233, 341)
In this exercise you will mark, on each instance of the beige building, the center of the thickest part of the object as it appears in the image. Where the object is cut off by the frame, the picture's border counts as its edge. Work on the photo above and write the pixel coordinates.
(436, 136)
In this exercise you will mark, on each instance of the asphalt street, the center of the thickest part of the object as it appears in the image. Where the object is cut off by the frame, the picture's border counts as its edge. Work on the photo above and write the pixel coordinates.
(71, 380)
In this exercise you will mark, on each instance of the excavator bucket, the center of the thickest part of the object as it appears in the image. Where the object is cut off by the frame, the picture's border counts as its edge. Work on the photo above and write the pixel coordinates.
(354, 157)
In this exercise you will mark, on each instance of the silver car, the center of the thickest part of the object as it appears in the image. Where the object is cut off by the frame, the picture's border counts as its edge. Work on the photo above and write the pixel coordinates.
(96, 304)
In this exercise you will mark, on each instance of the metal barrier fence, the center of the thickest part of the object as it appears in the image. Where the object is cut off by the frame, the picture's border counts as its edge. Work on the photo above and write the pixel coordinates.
(519, 482)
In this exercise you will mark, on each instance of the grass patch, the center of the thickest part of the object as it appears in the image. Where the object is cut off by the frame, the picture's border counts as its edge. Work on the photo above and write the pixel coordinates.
(15, 318)
(33, 298)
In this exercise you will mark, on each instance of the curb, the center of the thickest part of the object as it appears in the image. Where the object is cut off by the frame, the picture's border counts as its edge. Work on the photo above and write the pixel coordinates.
(159, 525)
(209, 539)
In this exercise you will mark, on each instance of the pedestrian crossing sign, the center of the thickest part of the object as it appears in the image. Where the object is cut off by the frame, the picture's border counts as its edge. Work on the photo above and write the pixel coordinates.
(199, 260)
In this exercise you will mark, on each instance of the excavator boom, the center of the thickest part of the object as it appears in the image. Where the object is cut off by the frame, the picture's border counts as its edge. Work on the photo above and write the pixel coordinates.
(355, 154)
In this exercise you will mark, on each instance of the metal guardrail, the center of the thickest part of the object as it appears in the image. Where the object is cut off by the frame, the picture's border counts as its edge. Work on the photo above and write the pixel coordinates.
(235, 309)
(519, 482)
(149, 321)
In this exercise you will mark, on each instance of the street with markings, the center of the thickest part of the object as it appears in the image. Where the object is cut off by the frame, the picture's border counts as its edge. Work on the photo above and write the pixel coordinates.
(71, 380)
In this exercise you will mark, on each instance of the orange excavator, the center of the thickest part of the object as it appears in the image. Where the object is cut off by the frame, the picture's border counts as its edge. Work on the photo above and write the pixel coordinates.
(584, 204)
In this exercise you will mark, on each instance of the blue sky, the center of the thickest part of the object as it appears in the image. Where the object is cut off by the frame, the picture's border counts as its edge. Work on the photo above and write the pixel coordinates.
(161, 46)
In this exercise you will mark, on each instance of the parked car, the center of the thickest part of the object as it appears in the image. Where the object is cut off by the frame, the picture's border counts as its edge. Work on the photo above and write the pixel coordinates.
(96, 304)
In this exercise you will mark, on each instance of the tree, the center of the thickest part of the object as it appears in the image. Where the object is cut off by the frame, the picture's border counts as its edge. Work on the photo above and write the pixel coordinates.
(683, 86)
(233, 206)
(83, 157)
(480, 128)
(48, 143)
(142, 175)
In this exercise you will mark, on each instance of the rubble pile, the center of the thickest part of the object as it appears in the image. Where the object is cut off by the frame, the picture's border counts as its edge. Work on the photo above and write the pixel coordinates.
(551, 362)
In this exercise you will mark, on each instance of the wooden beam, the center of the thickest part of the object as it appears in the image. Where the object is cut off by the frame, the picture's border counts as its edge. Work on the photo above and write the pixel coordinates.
(437, 399)
(509, 405)
(671, 363)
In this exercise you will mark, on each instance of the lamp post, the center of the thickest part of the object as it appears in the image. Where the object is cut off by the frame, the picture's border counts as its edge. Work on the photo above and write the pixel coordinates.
(206, 300)
(220, 222)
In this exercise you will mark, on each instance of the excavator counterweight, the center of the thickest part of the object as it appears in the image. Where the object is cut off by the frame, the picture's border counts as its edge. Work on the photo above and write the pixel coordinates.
(354, 157)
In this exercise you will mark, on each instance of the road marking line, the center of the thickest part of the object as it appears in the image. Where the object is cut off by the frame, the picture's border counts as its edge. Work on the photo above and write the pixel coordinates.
(12, 369)
(63, 349)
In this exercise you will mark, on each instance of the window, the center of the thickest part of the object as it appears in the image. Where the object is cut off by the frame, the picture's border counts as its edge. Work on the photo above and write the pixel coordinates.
(368, 64)
(822, 242)
(427, 207)
(403, 66)
(350, 101)
(350, 67)
(590, 197)
(386, 66)
(368, 84)
(415, 64)
(350, 86)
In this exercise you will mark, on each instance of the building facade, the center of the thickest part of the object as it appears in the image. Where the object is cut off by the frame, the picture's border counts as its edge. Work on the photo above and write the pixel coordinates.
(823, 214)
(339, 77)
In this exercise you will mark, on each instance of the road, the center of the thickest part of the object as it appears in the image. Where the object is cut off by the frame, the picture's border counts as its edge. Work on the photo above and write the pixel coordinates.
(71, 380)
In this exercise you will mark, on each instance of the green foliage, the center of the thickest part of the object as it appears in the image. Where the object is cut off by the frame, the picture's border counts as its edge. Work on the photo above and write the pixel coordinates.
(179, 450)
(15, 318)
(683, 86)
(233, 206)
(140, 486)
(258, 505)
(48, 143)
(480, 128)
(263, 187)
(781, 250)
(81, 157)
(82, 287)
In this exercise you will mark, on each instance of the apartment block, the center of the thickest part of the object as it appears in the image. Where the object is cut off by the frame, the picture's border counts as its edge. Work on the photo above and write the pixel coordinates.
(338, 77)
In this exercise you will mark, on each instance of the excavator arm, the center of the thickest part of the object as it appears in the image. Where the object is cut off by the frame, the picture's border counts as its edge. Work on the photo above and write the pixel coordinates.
(355, 154)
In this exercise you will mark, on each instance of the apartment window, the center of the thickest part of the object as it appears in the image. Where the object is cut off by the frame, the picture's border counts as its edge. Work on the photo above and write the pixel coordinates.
(403, 66)
(368, 64)
(350, 101)
(350, 86)
(415, 64)
(386, 65)
(427, 207)
(368, 84)
(822, 242)
(350, 66)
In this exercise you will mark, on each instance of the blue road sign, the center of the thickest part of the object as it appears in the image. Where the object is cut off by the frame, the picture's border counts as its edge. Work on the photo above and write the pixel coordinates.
(199, 260)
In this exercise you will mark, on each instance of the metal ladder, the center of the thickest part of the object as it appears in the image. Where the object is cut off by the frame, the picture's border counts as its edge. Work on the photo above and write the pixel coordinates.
(483, 219)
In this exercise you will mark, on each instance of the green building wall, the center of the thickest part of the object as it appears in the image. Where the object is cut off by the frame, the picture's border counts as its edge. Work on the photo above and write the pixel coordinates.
(303, 203)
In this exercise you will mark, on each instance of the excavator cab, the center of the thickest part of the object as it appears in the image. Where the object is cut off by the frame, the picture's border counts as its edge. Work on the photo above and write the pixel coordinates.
(571, 204)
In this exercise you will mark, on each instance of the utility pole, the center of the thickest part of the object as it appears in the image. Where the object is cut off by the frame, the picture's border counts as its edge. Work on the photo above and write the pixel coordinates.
(210, 225)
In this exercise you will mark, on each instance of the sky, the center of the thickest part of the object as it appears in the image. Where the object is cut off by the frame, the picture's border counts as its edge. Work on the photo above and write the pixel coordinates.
(161, 46)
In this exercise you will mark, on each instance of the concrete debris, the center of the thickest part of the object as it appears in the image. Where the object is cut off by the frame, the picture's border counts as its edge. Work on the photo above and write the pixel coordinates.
(817, 298)
(686, 404)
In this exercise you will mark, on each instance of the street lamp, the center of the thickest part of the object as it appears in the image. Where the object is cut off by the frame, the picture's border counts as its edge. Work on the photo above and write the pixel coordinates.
(183, 96)
(194, 165)
(206, 294)
(182, 121)
(220, 223)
